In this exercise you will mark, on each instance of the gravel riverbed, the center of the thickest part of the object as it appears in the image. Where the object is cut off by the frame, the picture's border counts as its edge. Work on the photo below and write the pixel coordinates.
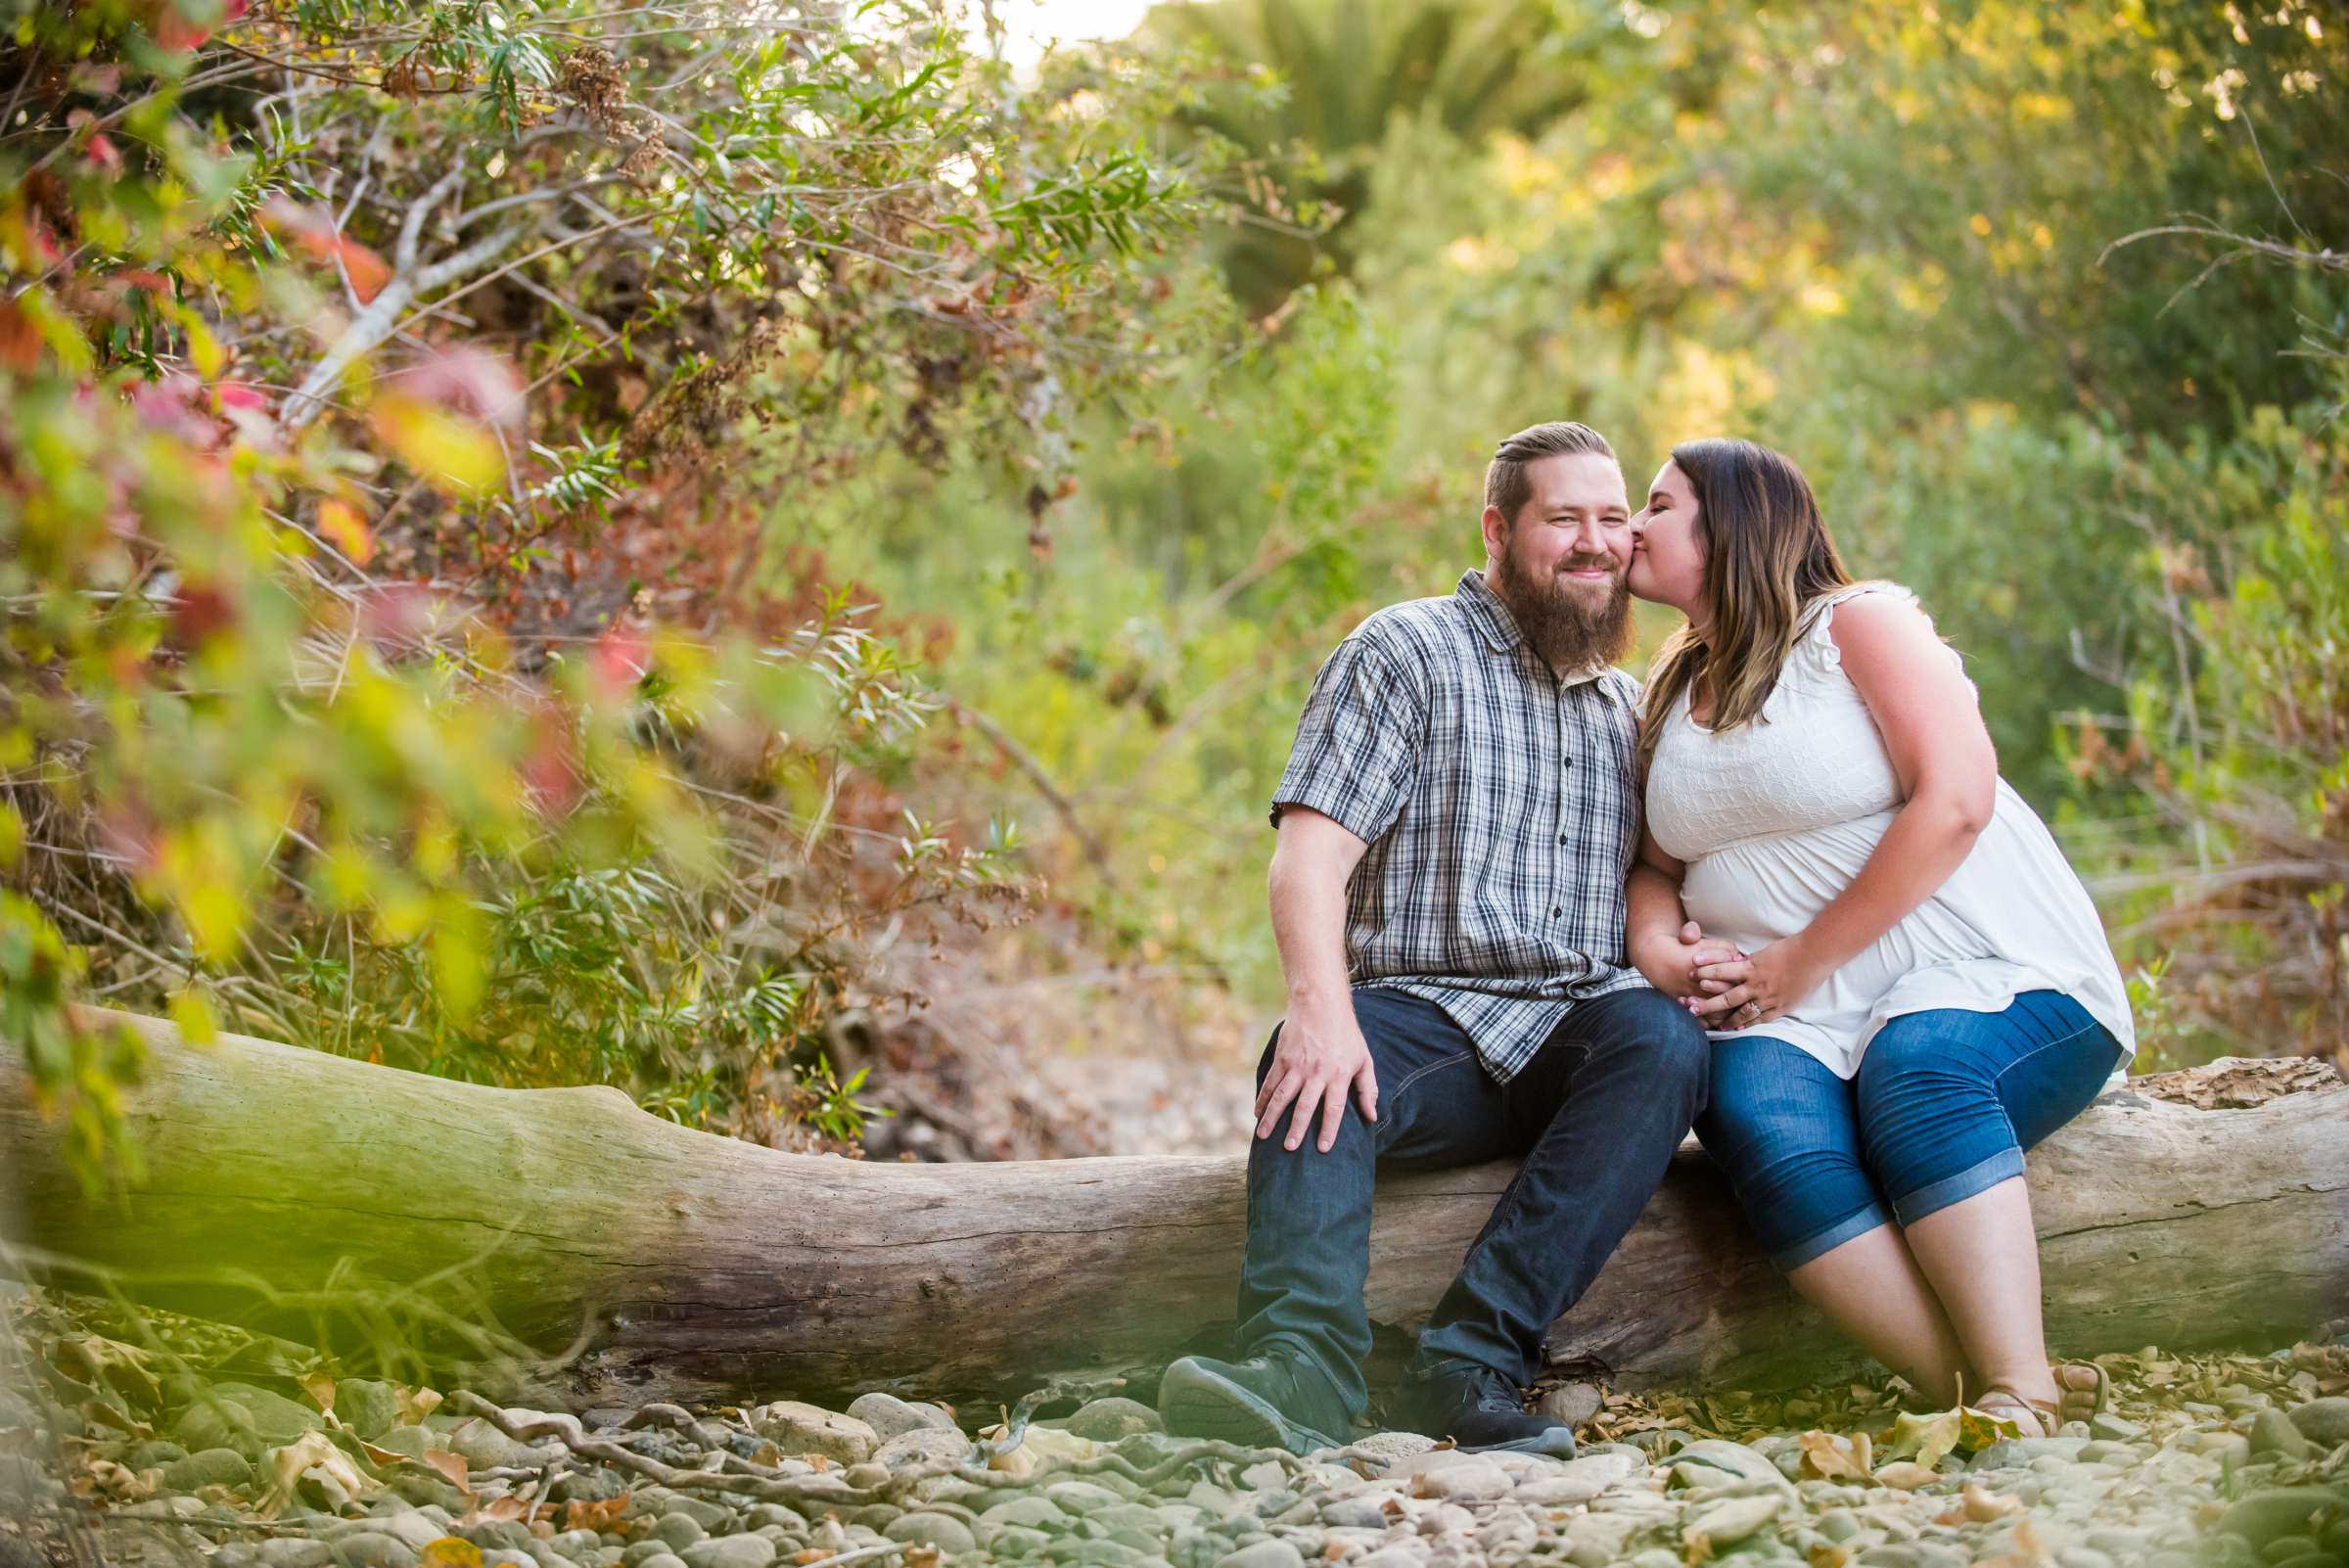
(2212, 1463)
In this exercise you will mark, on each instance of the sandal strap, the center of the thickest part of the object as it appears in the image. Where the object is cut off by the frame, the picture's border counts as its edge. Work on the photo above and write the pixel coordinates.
(2048, 1412)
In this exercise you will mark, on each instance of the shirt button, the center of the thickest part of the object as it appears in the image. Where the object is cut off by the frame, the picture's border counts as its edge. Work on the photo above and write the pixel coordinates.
(1555, 911)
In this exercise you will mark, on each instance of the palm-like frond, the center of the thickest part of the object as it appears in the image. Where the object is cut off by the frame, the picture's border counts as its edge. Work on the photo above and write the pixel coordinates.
(1350, 69)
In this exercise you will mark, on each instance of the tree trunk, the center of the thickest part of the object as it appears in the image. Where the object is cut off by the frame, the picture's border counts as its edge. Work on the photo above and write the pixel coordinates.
(692, 1265)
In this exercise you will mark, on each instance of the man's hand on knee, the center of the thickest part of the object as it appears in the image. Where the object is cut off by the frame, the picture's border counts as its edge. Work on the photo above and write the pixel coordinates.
(1321, 1056)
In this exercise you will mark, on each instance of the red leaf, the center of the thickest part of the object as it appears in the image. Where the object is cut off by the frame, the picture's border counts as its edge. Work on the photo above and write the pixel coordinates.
(200, 612)
(368, 271)
(619, 659)
(20, 339)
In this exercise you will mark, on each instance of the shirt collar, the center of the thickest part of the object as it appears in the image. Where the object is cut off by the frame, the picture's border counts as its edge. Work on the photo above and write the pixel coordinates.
(1491, 617)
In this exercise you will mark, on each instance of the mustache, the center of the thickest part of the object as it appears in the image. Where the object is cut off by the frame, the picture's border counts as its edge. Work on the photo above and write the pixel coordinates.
(1584, 563)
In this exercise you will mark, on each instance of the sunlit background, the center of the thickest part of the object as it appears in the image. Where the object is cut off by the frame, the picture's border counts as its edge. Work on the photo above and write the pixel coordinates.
(1031, 27)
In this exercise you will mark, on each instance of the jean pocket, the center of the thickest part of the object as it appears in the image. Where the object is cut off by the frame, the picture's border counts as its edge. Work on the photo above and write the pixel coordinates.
(1425, 1068)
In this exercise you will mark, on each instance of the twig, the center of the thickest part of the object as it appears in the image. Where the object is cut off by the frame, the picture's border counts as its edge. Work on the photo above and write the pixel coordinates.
(883, 1548)
(1020, 757)
(832, 1491)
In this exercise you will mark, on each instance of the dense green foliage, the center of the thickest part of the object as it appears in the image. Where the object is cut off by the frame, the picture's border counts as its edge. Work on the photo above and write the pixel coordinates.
(1906, 245)
(394, 659)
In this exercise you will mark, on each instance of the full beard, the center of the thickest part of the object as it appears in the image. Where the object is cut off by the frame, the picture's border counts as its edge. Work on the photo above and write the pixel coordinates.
(1561, 620)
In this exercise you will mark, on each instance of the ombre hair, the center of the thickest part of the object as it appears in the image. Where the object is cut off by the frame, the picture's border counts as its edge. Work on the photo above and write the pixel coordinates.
(1767, 556)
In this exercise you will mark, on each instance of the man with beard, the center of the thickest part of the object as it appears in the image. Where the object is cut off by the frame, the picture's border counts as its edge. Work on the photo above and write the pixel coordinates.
(1455, 822)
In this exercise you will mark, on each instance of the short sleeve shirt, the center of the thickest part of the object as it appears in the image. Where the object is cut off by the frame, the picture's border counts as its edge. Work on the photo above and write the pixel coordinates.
(1496, 800)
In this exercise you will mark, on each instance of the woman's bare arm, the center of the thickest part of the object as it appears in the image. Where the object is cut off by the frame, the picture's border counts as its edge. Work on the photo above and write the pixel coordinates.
(1948, 772)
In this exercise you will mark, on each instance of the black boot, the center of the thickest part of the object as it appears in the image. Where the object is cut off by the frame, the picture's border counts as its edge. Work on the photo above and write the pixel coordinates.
(1475, 1407)
(1273, 1399)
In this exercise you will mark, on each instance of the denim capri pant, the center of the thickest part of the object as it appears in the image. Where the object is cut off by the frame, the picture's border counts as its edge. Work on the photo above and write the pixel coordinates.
(1943, 1107)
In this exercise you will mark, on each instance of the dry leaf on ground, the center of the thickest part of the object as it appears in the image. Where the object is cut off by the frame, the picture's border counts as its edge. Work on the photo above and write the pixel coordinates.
(1825, 1457)
(313, 1455)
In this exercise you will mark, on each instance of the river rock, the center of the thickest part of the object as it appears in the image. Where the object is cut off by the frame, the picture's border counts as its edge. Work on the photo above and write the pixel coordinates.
(152, 1455)
(212, 1467)
(1400, 1554)
(800, 1428)
(483, 1446)
(891, 1416)
(659, 1501)
(944, 1531)
(1105, 1553)
(1148, 1540)
(2274, 1432)
(293, 1551)
(2325, 1421)
(1029, 1510)
(1439, 1519)
(587, 1486)
(925, 1445)
(1123, 1515)
(368, 1408)
(2274, 1511)
(240, 1417)
(1573, 1483)
(420, 1530)
(1506, 1528)
(760, 1515)
(1470, 1481)
(1363, 1510)
(2228, 1447)
(2015, 1452)
(679, 1530)
(1081, 1497)
(729, 1552)
(1729, 1459)
(1572, 1402)
(374, 1549)
(1594, 1540)
(1008, 1542)
(1733, 1519)
(1263, 1554)
(1106, 1420)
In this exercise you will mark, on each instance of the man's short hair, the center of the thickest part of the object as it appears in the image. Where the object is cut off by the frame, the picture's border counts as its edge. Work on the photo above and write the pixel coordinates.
(1506, 488)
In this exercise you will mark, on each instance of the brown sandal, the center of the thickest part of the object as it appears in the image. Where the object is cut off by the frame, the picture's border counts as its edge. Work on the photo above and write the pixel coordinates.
(2045, 1414)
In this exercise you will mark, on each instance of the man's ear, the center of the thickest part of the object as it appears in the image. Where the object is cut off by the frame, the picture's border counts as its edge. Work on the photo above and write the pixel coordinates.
(1497, 532)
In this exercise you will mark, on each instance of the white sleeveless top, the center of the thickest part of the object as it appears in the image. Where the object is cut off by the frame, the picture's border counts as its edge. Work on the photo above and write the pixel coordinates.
(1775, 818)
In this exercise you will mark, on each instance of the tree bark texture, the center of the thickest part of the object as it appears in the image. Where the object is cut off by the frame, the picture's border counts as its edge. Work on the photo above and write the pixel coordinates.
(691, 1266)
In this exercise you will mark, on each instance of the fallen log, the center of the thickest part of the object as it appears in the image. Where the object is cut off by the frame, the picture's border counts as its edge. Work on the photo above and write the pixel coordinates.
(690, 1265)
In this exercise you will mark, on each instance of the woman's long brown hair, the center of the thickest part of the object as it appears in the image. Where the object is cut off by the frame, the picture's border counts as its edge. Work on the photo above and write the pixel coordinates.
(1767, 556)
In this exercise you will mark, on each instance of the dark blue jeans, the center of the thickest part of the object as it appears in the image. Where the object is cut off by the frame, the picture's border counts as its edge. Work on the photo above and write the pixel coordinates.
(1595, 1115)
(1945, 1103)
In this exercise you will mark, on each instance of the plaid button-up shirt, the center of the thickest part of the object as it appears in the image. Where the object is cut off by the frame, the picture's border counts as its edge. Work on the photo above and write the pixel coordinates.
(1497, 799)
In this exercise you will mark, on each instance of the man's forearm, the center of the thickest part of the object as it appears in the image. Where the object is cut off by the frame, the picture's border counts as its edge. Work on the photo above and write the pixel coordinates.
(1309, 923)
